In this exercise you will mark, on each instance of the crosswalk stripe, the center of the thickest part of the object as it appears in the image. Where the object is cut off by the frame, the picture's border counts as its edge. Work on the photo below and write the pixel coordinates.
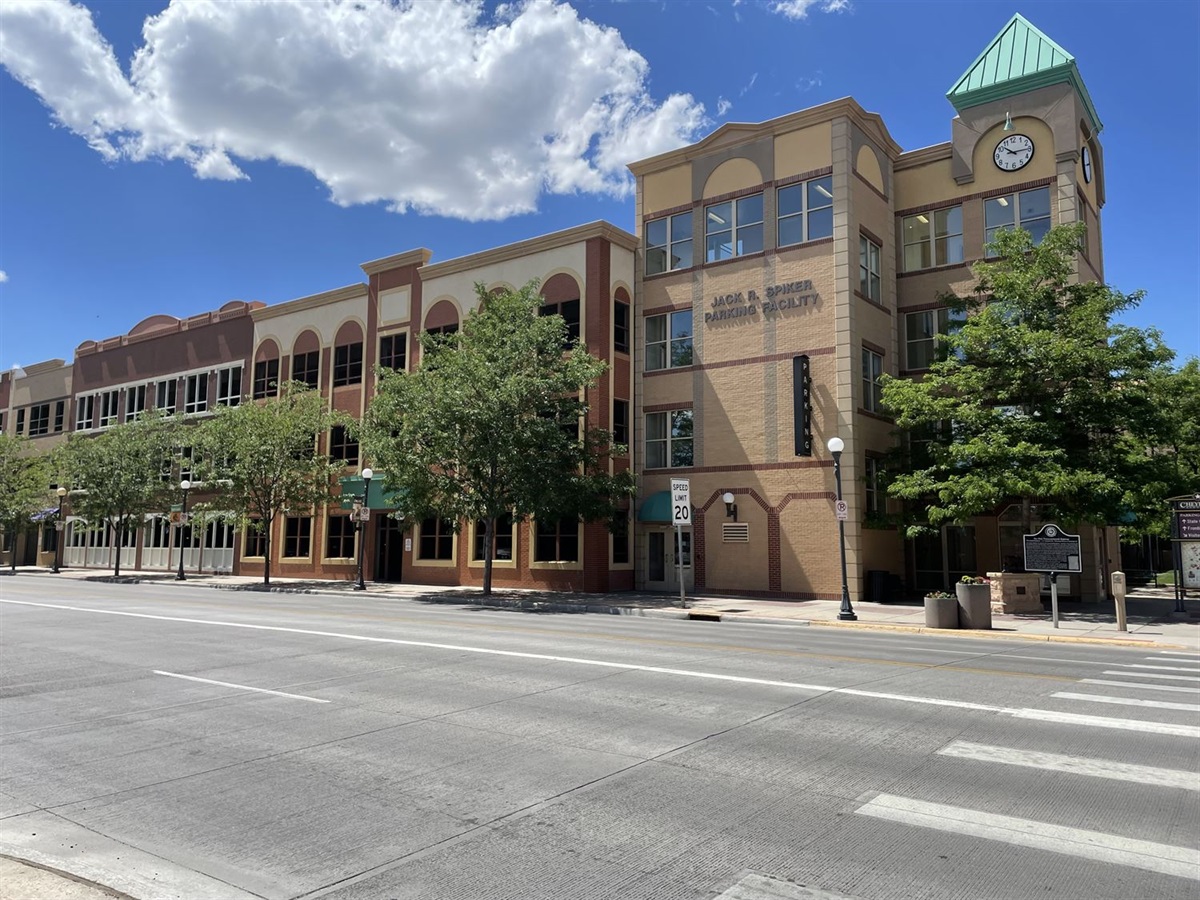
(1179, 653)
(1141, 685)
(1129, 701)
(1172, 658)
(1076, 765)
(1181, 862)
(1128, 674)
(1049, 715)
(1160, 668)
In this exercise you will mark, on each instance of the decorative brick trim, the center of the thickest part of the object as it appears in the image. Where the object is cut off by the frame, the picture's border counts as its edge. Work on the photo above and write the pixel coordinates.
(995, 192)
(669, 211)
(874, 190)
(655, 372)
(758, 360)
(879, 306)
(922, 307)
(658, 275)
(803, 176)
(733, 259)
(660, 310)
(818, 242)
(863, 229)
(774, 552)
(667, 407)
(946, 268)
(730, 195)
(875, 347)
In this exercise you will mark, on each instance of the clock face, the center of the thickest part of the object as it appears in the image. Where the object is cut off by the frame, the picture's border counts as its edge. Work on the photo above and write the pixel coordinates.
(1087, 165)
(1014, 152)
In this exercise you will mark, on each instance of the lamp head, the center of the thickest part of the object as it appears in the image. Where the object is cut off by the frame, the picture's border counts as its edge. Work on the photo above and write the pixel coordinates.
(367, 473)
(62, 492)
(727, 497)
(836, 445)
(185, 485)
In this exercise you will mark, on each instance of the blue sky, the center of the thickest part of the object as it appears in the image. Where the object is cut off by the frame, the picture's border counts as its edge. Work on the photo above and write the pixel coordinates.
(158, 158)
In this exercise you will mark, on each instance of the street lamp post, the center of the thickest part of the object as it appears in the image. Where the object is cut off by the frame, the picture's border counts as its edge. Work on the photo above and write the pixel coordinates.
(366, 477)
(60, 531)
(836, 446)
(184, 486)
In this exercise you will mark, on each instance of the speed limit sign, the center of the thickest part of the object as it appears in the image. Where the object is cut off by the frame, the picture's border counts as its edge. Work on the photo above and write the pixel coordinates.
(842, 508)
(681, 501)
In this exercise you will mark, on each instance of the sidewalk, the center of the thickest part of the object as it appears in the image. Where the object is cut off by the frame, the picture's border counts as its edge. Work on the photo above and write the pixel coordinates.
(26, 881)
(1150, 616)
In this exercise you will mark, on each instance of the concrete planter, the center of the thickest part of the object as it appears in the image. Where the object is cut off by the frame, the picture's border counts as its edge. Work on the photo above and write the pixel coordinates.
(974, 605)
(941, 612)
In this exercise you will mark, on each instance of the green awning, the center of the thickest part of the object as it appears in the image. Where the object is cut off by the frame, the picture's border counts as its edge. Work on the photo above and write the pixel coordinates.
(352, 489)
(656, 508)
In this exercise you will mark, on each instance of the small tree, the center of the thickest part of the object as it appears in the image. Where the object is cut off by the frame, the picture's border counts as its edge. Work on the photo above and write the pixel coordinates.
(491, 424)
(116, 477)
(24, 488)
(263, 457)
(1039, 395)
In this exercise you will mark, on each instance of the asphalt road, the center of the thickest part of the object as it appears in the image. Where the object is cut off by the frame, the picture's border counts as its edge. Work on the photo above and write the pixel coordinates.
(180, 742)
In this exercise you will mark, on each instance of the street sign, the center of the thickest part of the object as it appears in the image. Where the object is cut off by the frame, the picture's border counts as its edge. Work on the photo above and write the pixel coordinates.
(681, 501)
(1052, 550)
(362, 515)
(842, 509)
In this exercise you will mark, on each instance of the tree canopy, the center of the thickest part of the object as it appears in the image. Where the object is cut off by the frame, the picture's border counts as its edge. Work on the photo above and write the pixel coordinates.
(1039, 394)
(24, 487)
(493, 423)
(262, 456)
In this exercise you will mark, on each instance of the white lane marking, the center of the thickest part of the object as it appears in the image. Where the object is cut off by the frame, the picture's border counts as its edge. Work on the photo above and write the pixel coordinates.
(1127, 674)
(1182, 862)
(1047, 715)
(242, 687)
(1129, 701)
(1178, 653)
(1075, 765)
(932, 650)
(1158, 668)
(1186, 659)
(1142, 686)
(631, 667)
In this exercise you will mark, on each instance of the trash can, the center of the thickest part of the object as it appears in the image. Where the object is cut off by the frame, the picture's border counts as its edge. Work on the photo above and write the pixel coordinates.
(974, 605)
(877, 585)
(941, 612)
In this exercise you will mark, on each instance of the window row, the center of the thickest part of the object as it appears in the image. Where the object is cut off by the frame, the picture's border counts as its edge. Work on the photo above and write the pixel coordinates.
(40, 419)
(935, 238)
(803, 212)
(102, 409)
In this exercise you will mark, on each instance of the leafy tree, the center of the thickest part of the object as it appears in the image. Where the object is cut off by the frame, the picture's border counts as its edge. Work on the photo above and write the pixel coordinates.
(116, 477)
(1039, 395)
(263, 456)
(24, 487)
(490, 425)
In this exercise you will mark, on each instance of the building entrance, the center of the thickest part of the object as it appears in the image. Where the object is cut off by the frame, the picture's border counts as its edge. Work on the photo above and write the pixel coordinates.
(389, 549)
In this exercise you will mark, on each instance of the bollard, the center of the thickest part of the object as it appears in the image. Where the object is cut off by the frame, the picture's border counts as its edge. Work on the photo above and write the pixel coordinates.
(1118, 589)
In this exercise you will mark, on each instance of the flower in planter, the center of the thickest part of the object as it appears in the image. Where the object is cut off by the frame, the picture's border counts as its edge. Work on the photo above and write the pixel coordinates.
(974, 579)
(939, 595)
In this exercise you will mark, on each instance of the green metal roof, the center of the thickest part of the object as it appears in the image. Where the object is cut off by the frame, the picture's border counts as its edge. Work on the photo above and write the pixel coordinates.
(1020, 58)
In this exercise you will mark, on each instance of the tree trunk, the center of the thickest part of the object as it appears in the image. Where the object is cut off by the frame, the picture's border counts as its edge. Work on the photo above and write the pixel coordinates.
(115, 537)
(267, 553)
(488, 540)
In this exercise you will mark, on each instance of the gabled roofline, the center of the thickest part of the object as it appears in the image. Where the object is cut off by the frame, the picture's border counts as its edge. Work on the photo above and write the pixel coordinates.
(575, 235)
(337, 295)
(417, 257)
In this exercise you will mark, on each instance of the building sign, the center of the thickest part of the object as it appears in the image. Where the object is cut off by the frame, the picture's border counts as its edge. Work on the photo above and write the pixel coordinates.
(780, 298)
(1052, 550)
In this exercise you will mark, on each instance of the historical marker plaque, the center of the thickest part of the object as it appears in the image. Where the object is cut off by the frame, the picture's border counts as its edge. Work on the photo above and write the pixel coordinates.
(1052, 550)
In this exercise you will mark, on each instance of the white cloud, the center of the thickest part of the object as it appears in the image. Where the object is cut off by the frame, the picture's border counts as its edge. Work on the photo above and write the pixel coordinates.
(3, 276)
(432, 107)
(723, 106)
(798, 9)
(750, 84)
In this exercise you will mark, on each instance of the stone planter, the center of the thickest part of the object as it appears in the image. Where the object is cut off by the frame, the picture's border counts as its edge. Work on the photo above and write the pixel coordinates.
(941, 612)
(1016, 592)
(974, 605)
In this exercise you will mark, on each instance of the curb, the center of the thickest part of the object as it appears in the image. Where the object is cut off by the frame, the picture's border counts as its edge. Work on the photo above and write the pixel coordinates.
(1001, 635)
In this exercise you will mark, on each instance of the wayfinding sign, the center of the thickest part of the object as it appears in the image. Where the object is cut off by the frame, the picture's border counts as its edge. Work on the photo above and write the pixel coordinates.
(1052, 550)
(681, 501)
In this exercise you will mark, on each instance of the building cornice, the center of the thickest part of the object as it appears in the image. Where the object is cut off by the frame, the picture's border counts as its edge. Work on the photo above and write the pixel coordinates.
(933, 153)
(338, 295)
(871, 123)
(553, 241)
(418, 257)
(42, 368)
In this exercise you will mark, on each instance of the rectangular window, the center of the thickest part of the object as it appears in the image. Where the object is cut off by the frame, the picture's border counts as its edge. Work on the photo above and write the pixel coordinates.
(620, 429)
(84, 407)
(443, 330)
(229, 386)
(393, 352)
(569, 310)
(733, 228)
(196, 393)
(504, 539)
(669, 350)
(184, 459)
(347, 364)
(1028, 209)
(306, 368)
(437, 539)
(60, 414)
(39, 419)
(557, 541)
(297, 539)
(343, 446)
(669, 439)
(339, 538)
(620, 537)
(920, 330)
(256, 540)
(872, 368)
(266, 378)
(164, 396)
(20, 421)
(868, 269)
(135, 402)
(621, 327)
(932, 238)
(805, 211)
(669, 243)
(875, 499)
(110, 402)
